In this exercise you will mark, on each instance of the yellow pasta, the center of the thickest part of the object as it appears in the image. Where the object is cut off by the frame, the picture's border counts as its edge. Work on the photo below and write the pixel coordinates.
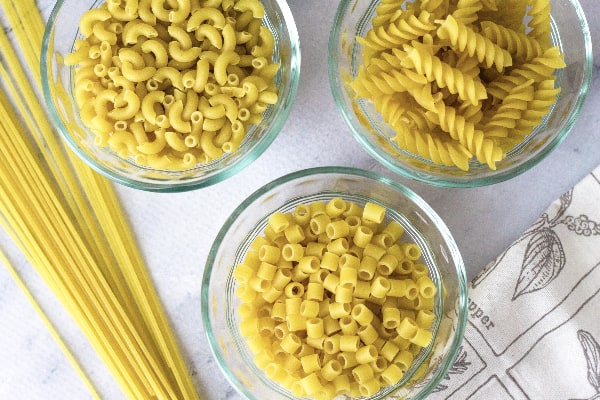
(255, 7)
(339, 313)
(296, 322)
(343, 294)
(421, 337)
(391, 317)
(369, 387)
(374, 251)
(51, 200)
(363, 373)
(335, 207)
(368, 334)
(175, 49)
(403, 360)
(269, 253)
(426, 286)
(366, 354)
(278, 221)
(392, 374)
(266, 270)
(425, 318)
(329, 261)
(331, 344)
(311, 384)
(348, 325)
(380, 287)
(294, 234)
(348, 276)
(309, 264)
(337, 229)
(444, 62)
(292, 251)
(362, 290)
(315, 328)
(339, 310)
(411, 251)
(338, 246)
(315, 291)
(407, 328)
(373, 212)
(319, 222)
(389, 350)
(331, 370)
(278, 313)
(310, 363)
(294, 289)
(341, 384)
(309, 308)
(387, 264)
(291, 343)
(347, 359)
(367, 268)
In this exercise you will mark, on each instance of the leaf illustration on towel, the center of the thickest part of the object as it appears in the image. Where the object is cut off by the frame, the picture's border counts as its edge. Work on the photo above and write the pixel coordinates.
(565, 201)
(488, 269)
(460, 366)
(591, 351)
(543, 260)
(546, 221)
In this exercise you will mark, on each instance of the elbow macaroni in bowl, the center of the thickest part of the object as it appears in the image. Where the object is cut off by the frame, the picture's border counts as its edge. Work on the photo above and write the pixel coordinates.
(173, 87)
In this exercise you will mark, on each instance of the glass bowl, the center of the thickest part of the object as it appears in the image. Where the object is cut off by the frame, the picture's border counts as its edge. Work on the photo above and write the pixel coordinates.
(569, 31)
(58, 89)
(219, 303)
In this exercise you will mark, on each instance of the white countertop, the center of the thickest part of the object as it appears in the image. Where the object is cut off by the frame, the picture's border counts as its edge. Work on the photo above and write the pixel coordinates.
(175, 231)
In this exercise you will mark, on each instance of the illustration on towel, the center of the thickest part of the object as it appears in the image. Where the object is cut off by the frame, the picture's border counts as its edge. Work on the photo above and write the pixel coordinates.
(591, 351)
(544, 256)
(460, 366)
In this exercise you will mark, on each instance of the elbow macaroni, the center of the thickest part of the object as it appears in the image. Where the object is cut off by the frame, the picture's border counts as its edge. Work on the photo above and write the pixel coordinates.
(339, 325)
(185, 72)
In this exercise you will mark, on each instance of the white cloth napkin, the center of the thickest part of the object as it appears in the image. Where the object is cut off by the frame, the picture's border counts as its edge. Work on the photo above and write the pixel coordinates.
(533, 327)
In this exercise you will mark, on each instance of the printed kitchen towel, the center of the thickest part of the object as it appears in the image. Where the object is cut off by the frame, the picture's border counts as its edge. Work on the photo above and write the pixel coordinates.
(533, 328)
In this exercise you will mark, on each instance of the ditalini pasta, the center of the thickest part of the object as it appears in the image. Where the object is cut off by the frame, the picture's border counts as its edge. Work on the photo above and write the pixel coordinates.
(195, 76)
(67, 221)
(336, 325)
(460, 80)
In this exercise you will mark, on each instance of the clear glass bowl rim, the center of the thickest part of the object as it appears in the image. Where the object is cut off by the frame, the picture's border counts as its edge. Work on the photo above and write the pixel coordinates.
(461, 321)
(423, 176)
(187, 184)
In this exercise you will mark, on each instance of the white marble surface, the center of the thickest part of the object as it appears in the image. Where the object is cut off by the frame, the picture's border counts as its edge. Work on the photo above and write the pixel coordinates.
(176, 230)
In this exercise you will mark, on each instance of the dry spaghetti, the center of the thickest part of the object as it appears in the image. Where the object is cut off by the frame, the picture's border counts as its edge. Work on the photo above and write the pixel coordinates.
(51, 205)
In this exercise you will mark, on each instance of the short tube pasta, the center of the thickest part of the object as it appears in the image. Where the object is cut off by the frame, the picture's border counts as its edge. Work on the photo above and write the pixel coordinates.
(330, 320)
(292, 251)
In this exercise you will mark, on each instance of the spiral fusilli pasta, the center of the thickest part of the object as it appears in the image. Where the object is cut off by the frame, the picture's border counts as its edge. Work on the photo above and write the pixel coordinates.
(462, 38)
(540, 17)
(459, 80)
(466, 10)
(424, 62)
(401, 28)
(518, 44)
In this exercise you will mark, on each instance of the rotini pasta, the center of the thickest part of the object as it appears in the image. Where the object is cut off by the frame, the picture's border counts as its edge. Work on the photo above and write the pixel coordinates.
(467, 88)
(466, 10)
(457, 80)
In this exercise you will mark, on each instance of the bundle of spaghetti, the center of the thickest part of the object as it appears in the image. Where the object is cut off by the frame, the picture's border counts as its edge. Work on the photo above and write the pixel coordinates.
(51, 205)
